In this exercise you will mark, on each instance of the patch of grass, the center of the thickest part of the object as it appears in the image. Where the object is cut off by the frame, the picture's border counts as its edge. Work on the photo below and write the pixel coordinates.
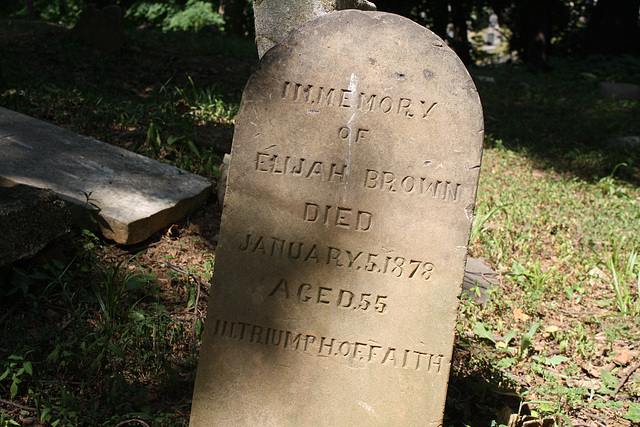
(567, 252)
(179, 111)
(110, 351)
(557, 120)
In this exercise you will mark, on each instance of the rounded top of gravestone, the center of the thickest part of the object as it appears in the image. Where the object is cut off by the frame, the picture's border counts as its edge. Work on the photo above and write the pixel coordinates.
(373, 68)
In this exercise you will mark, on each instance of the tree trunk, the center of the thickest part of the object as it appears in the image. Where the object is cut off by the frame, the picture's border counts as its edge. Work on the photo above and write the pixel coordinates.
(438, 13)
(460, 42)
(613, 28)
(532, 30)
(232, 12)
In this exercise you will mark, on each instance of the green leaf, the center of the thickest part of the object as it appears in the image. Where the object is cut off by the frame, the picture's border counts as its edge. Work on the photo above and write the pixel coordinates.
(14, 390)
(44, 413)
(28, 368)
(633, 414)
(117, 350)
(509, 336)
(608, 379)
(193, 148)
(4, 375)
(481, 332)
(556, 360)
(545, 407)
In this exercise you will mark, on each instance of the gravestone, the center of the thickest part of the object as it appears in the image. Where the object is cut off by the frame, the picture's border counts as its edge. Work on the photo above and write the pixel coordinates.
(344, 234)
(275, 18)
(608, 90)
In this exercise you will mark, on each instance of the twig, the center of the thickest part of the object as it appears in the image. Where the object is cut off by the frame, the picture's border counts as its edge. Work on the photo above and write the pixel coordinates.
(19, 406)
(132, 421)
(195, 277)
(195, 315)
(624, 379)
(578, 313)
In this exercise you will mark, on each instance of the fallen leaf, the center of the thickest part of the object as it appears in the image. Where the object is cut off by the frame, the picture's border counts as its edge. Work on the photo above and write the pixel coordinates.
(596, 272)
(520, 316)
(624, 356)
(581, 382)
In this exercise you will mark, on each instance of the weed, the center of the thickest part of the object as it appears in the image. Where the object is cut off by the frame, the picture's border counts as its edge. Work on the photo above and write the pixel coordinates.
(17, 368)
(117, 283)
(625, 269)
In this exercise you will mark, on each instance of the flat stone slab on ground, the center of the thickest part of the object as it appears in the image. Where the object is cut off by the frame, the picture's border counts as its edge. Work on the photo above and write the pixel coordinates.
(30, 218)
(137, 196)
(618, 90)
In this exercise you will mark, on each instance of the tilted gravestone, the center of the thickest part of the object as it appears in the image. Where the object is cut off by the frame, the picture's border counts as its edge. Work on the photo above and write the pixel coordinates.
(344, 235)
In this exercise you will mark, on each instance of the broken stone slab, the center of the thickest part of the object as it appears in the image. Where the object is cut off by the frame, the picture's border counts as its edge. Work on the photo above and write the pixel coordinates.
(631, 143)
(618, 90)
(30, 218)
(135, 196)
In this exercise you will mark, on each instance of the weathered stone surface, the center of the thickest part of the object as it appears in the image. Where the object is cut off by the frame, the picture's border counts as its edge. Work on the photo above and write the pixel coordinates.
(30, 218)
(344, 235)
(618, 90)
(137, 196)
(275, 18)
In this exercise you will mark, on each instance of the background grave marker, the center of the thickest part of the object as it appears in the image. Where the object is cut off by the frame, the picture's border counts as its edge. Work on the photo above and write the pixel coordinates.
(345, 228)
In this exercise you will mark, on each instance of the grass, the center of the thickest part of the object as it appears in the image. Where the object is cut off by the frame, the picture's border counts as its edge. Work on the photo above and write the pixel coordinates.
(103, 336)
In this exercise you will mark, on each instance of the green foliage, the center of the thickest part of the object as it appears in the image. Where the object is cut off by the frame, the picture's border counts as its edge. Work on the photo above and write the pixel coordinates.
(63, 12)
(106, 336)
(196, 15)
(625, 271)
(633, 414)
(15, 369)
(116, 285)
(172, 15)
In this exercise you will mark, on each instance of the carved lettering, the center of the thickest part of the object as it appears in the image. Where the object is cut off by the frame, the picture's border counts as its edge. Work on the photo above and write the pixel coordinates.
(374, 103)
(338, 216)
(331, 296)
(317, 254)
(362, 352)
(391, 182)
(300, 167)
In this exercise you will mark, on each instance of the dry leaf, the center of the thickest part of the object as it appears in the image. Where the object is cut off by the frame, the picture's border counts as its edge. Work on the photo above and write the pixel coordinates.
(520, 316)
(624, 356)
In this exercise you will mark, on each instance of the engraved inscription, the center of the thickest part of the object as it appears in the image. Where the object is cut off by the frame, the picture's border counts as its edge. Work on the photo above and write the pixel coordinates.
(345, 133)
(363, 352)
(365, 261)
(348, 98)
(338, 216)
(322, 295)
(300, 167)
(390, 182)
